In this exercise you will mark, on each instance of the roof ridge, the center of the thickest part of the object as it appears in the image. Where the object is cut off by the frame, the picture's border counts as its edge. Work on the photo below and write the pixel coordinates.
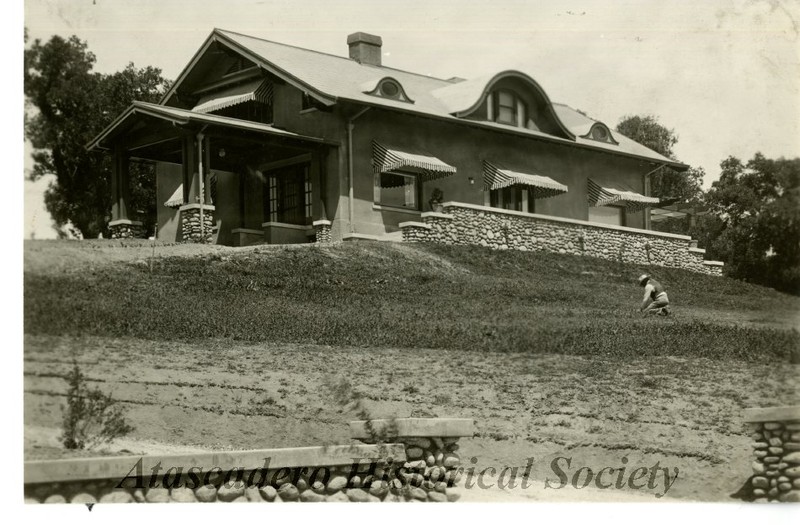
(331, 55)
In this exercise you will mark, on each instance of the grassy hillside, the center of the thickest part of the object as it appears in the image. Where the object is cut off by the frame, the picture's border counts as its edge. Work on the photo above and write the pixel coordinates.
(396, 295)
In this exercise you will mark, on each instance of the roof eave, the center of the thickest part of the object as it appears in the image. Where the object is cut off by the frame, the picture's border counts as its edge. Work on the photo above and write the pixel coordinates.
(678, 166)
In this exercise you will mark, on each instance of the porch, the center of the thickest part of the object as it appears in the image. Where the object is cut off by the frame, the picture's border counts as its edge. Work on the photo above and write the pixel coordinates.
(218, 179)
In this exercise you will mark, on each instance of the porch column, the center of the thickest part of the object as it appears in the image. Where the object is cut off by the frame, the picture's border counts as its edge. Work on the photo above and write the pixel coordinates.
(207, 171)
(121, 226)
(647, 191)
(191, 182)
(196, 225)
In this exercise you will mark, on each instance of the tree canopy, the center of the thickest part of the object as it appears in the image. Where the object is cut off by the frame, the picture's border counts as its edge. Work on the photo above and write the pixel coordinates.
(757, 205)
(666, 183)
(67, 104)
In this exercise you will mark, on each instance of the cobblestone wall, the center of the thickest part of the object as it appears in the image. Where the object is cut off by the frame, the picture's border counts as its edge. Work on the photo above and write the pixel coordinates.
(190, 223)
(504, 230)
(432, 464)
(127, 230)
(776, 447)
(322, 229)
(412, 468)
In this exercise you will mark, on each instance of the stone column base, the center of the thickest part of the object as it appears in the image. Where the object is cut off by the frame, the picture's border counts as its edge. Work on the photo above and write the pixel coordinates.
(322, 228)
(191, 230)
(126, 229)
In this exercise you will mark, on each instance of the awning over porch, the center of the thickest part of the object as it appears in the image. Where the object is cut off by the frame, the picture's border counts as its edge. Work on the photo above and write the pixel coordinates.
(176, 199)
(430, 168)
(601, 196)
(259, 90)
(495, 178)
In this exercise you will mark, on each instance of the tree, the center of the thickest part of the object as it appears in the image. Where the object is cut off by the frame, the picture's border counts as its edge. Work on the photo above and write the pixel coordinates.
(666, 183)
(67, 104)
(758, 205)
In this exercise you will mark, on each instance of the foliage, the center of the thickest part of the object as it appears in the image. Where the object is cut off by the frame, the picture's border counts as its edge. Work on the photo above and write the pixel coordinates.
(68, 104)
(758, 207)
(91, 417)
(667, 183)
(382, 295)
(343, 393)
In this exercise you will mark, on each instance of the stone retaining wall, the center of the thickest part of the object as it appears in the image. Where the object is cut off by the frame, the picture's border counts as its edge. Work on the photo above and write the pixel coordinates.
(776, 445)
(469, 224)
(433, 464)
(322, 229)
(190, 223)
(125, 229)
(418, 468)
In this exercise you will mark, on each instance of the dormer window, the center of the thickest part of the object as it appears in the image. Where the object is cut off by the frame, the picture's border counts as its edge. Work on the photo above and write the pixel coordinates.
(600, 133)
(506, 107)
(388, 88)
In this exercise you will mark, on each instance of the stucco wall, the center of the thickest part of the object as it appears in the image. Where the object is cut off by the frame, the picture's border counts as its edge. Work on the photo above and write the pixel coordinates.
(466, 149)
(168, 177)
(226, 205)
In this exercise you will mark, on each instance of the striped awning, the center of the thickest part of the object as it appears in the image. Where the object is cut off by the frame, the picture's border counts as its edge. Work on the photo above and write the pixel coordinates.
(176, 200)
(428, 167)
(259, 90)
(600, 196)
(495, 178)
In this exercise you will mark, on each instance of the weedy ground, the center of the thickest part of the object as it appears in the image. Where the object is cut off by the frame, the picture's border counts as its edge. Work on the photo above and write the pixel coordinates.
(233, 348)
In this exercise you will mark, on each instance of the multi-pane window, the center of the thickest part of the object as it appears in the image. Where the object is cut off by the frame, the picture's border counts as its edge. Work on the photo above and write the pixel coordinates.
(396, 189)
(518, 198)
(287, 195)
(508, 108)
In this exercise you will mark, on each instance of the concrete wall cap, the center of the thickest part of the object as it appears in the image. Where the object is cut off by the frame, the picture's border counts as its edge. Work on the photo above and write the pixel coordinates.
(118, 467)
(120, 222)
(714, 263)
(415, 224)
(759, 415)
(697, 250)
(321, 222)
(196, 206)
(436, 214)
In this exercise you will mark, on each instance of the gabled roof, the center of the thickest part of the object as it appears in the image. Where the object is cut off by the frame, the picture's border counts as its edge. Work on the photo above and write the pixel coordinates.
(184, 116)
(330, 78)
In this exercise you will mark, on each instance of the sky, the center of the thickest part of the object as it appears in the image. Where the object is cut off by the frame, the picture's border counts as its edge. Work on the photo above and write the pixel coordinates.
(724, 74)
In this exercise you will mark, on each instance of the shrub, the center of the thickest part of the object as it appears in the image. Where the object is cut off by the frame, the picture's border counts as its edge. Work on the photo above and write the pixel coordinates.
(91, 417)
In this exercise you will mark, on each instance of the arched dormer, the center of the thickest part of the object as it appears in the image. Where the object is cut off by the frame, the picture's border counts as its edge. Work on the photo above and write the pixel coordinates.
(386, 87)
(510, 98)
(600, 133)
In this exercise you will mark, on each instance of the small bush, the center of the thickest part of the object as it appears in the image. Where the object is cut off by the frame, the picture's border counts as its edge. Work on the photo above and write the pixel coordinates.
(91, 417)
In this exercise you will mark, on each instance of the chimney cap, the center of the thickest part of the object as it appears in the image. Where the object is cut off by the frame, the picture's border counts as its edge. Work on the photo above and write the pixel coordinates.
(364, 37)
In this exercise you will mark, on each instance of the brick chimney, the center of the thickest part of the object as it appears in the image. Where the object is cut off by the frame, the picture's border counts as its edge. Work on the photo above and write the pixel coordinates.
(365, 48)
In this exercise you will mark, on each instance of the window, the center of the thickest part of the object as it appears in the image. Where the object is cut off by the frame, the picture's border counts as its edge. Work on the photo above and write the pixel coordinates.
(600, 133)
(518, 198)
(287, 195)
(614, 215)
(508, 108)
(399, 190)
(389, 88)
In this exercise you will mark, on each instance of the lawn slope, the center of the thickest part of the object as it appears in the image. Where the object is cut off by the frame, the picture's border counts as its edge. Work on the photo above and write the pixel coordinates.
(396, 295)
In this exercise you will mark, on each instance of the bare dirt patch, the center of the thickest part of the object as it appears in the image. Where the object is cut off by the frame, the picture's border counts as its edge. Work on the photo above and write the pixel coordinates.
(684, 413)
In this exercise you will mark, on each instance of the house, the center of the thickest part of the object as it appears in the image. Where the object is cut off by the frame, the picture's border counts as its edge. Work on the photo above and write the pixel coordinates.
(261, 142)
